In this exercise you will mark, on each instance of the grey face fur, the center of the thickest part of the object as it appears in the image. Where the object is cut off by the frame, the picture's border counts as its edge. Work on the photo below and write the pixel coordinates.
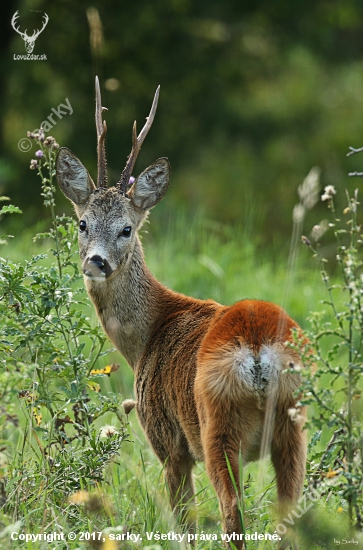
(109, 220)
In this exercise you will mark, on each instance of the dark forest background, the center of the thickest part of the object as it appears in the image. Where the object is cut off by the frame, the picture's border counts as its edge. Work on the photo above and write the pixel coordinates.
(253, 94)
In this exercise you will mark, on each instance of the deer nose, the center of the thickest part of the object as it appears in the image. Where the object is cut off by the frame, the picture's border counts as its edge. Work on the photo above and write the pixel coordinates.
(95, 267)
(99, 262)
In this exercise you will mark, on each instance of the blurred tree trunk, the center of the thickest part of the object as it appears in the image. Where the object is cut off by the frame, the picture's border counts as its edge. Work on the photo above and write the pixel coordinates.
(6, 34)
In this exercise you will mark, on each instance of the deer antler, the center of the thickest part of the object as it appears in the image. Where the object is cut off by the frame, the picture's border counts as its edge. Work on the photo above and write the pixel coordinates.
(13, 22)
(101, 134)
(37, 33)
(137, 141)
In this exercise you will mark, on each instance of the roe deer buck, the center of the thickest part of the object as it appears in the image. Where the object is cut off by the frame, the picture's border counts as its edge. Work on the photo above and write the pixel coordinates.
(209, 379)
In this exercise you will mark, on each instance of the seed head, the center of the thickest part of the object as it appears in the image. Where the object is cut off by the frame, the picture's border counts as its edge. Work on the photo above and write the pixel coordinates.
(294, 414)
(298, 213)
(128, 405)
(308, 190)
(305, 240)
(107, 431)
(329, 192)
(51, 142)
(319, 230)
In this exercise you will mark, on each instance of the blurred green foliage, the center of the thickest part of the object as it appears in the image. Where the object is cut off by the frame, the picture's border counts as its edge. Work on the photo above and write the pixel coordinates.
(252, 95)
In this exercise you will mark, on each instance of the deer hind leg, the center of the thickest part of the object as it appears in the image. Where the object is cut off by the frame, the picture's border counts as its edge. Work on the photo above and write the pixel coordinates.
(223, 440)
(288, 454)
(231, 420)
(229, 433)
(232, 388)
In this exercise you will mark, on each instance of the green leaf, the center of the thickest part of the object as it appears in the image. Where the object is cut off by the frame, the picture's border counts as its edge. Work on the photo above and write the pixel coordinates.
(10, 209)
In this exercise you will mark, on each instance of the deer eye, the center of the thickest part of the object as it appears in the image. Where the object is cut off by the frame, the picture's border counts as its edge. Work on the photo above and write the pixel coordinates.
(82, 226)
(126, 232)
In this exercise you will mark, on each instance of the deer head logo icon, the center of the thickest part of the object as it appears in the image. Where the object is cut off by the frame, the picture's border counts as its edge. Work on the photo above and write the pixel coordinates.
(29, 40)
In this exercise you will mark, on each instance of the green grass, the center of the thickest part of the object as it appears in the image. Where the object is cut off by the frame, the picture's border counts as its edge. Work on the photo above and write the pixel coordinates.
(206, 260)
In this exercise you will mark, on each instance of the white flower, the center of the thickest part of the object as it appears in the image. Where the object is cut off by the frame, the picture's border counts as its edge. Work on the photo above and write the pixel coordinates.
(330, 190)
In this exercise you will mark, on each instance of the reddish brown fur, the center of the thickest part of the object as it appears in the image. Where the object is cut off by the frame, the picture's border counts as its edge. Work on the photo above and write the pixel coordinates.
(235, 424)
(185, 421)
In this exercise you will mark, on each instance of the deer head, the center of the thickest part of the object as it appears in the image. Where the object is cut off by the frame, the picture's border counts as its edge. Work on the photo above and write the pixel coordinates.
(109, 218)
(29, 40)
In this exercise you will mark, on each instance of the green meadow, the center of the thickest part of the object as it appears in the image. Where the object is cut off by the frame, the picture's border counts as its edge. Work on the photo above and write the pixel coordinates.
(109, 490)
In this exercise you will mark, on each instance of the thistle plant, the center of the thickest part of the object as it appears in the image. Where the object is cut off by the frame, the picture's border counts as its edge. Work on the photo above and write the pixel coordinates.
(49, 360)
(332, 350)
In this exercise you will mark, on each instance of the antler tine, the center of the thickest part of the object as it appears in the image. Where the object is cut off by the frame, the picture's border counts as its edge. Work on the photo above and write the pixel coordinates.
(45, 23)
(14, 22)
(101, 135)
(137, 141)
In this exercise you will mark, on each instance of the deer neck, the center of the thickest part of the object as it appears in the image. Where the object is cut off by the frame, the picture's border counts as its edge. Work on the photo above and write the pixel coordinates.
(130, 306)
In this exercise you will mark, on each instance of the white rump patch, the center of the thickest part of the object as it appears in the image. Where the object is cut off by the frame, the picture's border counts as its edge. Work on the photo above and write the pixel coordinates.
(262, 370)
(272, 361)
(245, 364)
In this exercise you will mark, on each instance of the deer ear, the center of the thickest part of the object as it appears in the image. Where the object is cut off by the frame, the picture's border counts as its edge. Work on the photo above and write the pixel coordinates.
(73, 178)
(150, 187)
